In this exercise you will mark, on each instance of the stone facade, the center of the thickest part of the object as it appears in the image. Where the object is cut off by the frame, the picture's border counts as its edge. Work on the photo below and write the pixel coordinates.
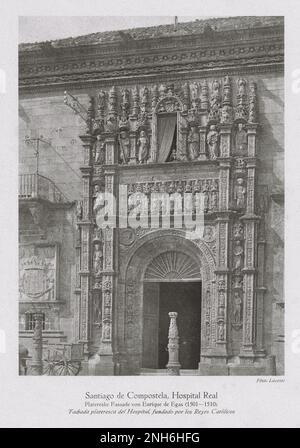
(221, 82)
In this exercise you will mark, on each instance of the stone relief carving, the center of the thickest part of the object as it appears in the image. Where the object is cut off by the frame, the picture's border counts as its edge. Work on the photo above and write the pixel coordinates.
(126, 237)
(189, 100)
(240, 193)
(194, 88)
(143, 147)
(134, 137)
(241, 140)
(124, 144)
(37, 273)
(209, 187)
(215, 101)
(213, 142)
(237, 310)
(193, 143)
(97, 259)
(238, 249)
(241, 110)
(252, 103)
(99, 151)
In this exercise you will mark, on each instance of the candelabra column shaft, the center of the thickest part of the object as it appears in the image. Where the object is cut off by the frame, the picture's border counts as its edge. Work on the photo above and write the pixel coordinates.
(173, 365)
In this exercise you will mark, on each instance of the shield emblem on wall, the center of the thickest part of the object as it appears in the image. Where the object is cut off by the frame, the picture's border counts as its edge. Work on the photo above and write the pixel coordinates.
(34, 278)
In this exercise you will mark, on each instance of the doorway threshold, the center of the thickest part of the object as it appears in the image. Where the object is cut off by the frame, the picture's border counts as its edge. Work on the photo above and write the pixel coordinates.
(164, 372)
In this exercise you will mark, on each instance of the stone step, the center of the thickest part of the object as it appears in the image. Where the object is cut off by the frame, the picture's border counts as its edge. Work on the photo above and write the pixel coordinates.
(163, 372)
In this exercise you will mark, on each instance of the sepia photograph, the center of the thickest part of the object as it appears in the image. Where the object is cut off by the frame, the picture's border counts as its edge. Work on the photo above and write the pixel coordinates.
(151, 196)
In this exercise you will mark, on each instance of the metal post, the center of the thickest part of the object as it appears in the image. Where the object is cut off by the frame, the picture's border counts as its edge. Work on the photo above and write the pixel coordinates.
(173, 365)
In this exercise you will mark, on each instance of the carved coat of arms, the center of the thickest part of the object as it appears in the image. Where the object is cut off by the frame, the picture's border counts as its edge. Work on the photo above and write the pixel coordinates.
(37, 278)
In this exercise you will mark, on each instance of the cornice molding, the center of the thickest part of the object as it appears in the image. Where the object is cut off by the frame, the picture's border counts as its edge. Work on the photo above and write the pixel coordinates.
(90, 68)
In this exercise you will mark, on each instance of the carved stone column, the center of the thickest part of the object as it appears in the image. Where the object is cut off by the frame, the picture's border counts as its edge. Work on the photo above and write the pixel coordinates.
(262, 199)
(250, 231)
(153, 149)
(202, 138)
(223, 229)
(111, 149)
(106, 366)
(225, 136)
(77, 280)
(173, 365)
(37, 352)
(222, 273)
(132, 136)
(85, 226)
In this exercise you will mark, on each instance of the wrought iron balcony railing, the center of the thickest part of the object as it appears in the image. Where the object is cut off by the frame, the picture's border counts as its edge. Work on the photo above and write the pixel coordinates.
(35, 186)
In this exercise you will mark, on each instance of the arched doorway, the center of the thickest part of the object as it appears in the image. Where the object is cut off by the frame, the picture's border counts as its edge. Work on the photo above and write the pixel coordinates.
(172, 282)
(164, 257)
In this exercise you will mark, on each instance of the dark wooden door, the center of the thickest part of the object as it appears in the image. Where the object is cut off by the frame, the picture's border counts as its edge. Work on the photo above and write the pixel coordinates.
(150, 325)
(185, 299)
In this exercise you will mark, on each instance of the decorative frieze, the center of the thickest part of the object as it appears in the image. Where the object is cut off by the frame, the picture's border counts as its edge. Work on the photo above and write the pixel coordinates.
(204, 116)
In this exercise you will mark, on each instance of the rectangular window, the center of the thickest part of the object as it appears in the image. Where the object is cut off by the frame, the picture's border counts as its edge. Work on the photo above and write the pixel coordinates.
(30, 322)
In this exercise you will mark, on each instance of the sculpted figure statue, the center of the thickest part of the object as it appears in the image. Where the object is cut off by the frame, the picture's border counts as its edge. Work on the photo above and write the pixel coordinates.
(124, 143)
(143, 145)
(97, 259)
(193, 143)
(79, 210)
(221, 331)
(213, 142)
(238, 252)
(240, 193)
(237, 308)
(238, 231)
(99, 199)
(99, 151)
(241, 142)
(106, 331)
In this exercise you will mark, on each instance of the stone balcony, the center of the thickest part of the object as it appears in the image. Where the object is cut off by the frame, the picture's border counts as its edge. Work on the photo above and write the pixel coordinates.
(38, 196)
(36, 186)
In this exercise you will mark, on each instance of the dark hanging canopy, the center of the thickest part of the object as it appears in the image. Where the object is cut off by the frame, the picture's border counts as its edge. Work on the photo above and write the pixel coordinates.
(166, 127)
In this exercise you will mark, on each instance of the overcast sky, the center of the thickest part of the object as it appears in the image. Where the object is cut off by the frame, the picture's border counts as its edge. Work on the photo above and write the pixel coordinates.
(36, 29)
